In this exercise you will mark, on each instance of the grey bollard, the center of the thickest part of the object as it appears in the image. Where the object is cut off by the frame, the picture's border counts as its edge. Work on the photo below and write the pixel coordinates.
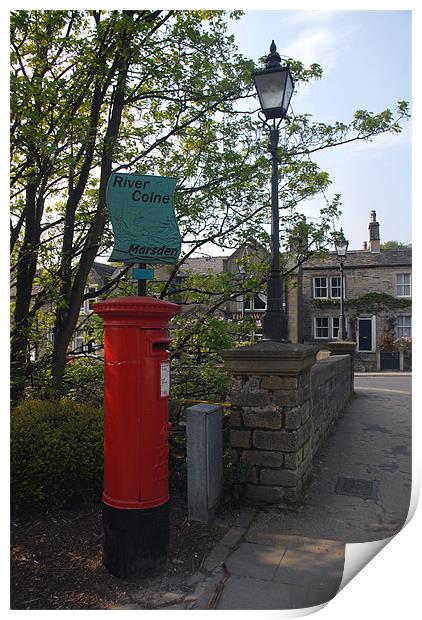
(204, 452)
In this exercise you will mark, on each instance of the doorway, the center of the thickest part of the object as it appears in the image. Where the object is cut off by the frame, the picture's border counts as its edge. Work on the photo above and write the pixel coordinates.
(365, 334)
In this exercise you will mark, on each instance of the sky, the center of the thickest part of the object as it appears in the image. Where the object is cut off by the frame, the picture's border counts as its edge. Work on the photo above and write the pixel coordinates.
(367, 64)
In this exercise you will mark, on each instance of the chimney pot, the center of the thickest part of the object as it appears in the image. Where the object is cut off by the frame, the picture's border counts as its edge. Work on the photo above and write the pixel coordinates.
(364, 246)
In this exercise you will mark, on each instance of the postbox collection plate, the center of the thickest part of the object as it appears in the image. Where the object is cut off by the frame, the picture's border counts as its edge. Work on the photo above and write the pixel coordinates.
(164, 379)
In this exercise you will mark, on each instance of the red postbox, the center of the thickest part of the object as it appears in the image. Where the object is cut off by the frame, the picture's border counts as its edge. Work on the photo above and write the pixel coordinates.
(136, 391)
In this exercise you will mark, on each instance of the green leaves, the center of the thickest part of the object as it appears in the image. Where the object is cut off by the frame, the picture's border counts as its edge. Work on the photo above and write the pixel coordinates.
(153, 92)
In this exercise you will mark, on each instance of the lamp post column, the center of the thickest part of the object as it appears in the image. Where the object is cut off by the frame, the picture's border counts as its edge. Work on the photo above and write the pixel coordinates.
(342, 326)
(274, 322)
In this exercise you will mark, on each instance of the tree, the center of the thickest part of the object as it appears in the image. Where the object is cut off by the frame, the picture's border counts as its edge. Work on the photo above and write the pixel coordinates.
(394, 245)
(101, 91)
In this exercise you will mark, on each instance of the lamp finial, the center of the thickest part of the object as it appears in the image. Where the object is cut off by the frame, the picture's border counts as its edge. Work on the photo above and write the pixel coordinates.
(273, 59)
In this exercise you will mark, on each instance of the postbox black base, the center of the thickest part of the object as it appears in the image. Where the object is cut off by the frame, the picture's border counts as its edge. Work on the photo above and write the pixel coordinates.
(135, 542)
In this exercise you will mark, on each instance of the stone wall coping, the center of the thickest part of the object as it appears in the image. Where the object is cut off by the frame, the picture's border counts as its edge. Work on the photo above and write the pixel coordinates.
(267, 358)
(324, 366)
(326, 361)
(345, 346)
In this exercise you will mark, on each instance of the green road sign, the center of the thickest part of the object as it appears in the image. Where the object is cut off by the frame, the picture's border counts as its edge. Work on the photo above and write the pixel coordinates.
(142, 216)
(143, 274)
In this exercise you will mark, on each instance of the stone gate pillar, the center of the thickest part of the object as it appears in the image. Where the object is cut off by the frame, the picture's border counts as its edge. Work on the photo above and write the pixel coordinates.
(271, 423)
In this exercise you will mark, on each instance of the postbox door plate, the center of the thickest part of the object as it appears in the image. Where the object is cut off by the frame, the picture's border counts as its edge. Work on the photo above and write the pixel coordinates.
(164, 379)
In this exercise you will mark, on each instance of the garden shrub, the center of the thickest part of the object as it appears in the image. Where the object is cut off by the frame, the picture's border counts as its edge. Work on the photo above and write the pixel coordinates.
(56, 454)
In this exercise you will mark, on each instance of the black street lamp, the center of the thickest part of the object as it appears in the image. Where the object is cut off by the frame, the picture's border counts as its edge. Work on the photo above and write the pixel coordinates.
(341, 245)
(274, 86)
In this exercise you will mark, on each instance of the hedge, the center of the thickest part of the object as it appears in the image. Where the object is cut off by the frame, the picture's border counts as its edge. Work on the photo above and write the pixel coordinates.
(56, 454)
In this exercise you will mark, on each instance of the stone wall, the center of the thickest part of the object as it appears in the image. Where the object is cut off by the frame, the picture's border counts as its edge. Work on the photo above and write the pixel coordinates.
(281, 415)
(271, 433)
(330, 393)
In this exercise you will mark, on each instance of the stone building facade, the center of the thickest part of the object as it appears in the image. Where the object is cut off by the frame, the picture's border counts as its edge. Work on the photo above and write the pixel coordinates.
(377, 293)
(377, 303)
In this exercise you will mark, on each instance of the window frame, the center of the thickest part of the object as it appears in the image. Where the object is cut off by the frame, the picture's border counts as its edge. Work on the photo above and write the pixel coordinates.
(328, 287)
(316, 328)
(339, 287)
(85, 306)
(331, 327)
(404, 284)
(337, 318)
(251, 299)
(326, 278)
(403, 327)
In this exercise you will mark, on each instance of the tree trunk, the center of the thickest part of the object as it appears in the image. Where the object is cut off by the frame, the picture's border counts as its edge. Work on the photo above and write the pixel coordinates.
(27, 264)
(68, 319)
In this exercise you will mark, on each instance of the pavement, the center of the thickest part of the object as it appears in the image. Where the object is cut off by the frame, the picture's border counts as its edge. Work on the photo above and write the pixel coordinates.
(279, 559)
(273, 558)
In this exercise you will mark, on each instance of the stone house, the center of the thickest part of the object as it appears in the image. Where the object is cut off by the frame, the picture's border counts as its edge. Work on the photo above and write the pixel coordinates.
(377, 299)
(377, 303)
(99, 275)
(233, 310)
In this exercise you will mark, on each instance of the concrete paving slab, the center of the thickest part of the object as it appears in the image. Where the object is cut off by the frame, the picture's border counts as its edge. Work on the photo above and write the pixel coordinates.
(258, 561)
(318, 596)
(310, 569)
(267, 532)
(249, 593)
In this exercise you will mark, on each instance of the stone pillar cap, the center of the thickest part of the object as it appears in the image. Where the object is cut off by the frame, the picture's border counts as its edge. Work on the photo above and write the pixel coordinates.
(267, 357)
(341, 345)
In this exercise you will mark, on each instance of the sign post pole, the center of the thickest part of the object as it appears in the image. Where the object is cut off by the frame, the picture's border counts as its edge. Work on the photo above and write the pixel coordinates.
(142, 284)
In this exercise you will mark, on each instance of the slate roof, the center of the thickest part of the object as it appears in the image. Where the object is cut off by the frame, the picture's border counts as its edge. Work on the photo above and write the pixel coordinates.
(203, 264)
(363, 259)
(103, 269)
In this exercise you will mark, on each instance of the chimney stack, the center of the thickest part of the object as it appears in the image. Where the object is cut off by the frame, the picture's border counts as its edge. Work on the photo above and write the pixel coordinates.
(374, 234)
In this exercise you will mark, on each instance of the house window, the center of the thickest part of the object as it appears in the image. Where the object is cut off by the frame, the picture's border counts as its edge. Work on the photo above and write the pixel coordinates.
(88, 303)
(404, 326)
(78, 344)
(320, 288)
(255, 302)
(335, 287)
(404, 284)
(92, 300)
(325, 287)
(335, 326)
(328, 327)
(322, 326)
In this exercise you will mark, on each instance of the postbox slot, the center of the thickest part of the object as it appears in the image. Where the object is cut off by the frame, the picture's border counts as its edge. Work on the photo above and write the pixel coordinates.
(160, 345)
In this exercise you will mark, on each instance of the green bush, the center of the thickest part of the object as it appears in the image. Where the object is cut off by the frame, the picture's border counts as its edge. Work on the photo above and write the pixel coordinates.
(56, 454)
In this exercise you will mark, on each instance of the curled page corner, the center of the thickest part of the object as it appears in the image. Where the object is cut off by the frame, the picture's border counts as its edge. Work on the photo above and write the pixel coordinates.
(358, 555)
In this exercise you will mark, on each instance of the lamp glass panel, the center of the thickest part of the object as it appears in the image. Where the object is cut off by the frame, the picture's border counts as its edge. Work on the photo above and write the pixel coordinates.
(341, 249)
(270, 88)
(288, 91)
